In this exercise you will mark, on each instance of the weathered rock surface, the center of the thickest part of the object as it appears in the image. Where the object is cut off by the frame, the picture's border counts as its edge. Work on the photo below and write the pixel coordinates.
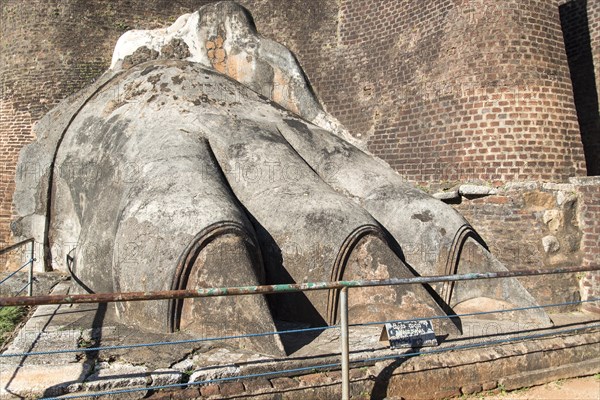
(165, 376)
(447, 195)
(35, 381)
(111, 376)
(218, 167)
(475, 190)
(211, 373)
(223, 37)
(550, 243)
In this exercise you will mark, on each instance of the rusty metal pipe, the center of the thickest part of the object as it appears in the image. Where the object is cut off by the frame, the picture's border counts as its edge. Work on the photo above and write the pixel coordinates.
(268, 289)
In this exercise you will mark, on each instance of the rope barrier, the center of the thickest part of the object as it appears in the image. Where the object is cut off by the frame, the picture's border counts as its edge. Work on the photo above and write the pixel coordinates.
(250, 335)
(324, 366)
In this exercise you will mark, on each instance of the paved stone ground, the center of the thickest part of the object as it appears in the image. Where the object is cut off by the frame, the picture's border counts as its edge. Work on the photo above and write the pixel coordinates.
(77, 327)
(586, 388)
(42, 282)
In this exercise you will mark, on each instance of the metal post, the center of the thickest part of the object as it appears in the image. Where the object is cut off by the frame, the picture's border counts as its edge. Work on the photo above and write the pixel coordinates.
(345, 344)
(31, 260)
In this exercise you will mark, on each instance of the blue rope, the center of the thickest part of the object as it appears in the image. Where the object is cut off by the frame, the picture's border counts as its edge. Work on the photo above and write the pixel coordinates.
(478, 313)
(475, 345)
(133, 346)
(20, 268)
(176, 385)
(155, 344)
(23, 288)
(288, 371)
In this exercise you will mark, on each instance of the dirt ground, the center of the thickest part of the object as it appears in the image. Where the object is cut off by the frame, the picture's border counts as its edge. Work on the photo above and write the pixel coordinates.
(587, 388)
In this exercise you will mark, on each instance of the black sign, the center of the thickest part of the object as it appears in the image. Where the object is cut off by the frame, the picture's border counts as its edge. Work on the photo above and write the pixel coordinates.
(409, 334)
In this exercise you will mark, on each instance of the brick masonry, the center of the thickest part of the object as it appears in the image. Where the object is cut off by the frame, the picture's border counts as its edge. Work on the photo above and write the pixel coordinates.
(580, 20)
(428, 377)
(544, 225)
(588, 190)
(517, 221)
(443, 90)
(447, 89)
(593, 12)
(521, 222)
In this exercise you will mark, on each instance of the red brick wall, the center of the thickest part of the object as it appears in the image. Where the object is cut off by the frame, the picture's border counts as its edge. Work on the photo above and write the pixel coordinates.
(516, 221)
(593, 14)
(578, 18)
(448, 88)
(15, 131)
(589, 194)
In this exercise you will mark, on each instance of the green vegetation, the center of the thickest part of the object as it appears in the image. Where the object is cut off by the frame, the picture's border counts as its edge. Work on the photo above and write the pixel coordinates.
(122, 26)
(521, 390)
(83, 343)
(9, 319)
(559, 382)
(502, 389)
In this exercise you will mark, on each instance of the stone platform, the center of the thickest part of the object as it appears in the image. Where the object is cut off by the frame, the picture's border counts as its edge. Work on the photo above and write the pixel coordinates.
(489, 357)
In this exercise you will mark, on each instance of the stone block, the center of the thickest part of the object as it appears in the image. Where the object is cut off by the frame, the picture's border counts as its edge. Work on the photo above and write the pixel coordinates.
(210, 390)
(470, 389)
(257, 385)
(284, 383)
(166, 376)
(186, 394)
(211, 373)
(33, 341)
(42, 380)
(184, 365)
(118, 375)
(551, 244)
(447, 195)
(231, 388)
(476, 190)
(539, 201)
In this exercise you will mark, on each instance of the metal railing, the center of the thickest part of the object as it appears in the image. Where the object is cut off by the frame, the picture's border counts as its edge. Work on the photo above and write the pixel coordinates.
(30, 261)
(344, 325)
(274, 289)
